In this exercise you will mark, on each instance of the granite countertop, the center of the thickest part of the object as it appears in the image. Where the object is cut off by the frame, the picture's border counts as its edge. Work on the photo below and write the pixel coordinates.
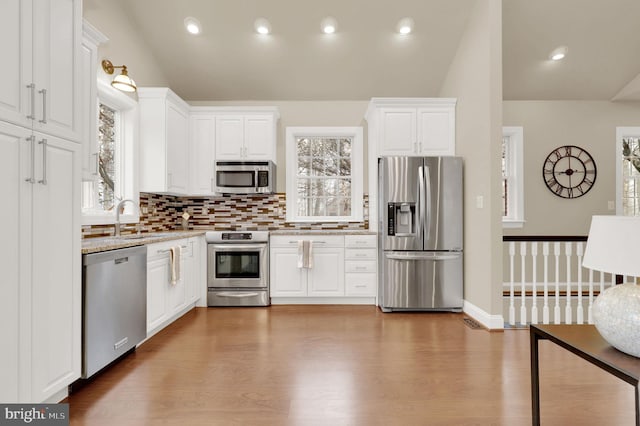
(94, 245)
(322, 232)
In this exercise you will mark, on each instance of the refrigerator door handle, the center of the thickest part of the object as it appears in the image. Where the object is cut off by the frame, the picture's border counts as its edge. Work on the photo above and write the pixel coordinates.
(427, 215)
(419, 199)
(422, 256)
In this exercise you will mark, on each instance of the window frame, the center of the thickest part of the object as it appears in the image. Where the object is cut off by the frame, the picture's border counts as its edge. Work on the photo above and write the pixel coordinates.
(622, 133)
(357, 175)
(515, 177)
(126, 182)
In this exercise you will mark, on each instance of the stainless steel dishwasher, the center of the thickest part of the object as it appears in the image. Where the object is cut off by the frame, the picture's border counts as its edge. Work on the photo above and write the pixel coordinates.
(114, 308)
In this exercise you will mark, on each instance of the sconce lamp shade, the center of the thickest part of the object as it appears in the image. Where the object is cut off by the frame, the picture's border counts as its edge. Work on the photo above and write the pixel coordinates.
(122, 81)
(614, 246)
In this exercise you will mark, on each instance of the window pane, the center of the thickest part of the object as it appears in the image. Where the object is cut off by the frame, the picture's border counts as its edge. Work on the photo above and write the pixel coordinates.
(331, 186)
(345, 167)
(106, 157)
(630, 175)
(332, 206)
(345, 148)
(304, 147)
(345, 206)
(345, 188)
(304, 186)
(304, 166)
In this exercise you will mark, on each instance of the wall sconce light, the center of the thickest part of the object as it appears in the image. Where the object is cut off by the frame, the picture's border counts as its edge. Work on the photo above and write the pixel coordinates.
(121, 82)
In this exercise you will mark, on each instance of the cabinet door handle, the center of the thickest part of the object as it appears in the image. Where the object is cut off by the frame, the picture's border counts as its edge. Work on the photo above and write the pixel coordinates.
(32, 87)
(32, 139)
(43, 142)
(44, 106)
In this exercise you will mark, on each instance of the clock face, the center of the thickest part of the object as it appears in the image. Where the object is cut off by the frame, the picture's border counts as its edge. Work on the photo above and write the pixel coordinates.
(569, 171)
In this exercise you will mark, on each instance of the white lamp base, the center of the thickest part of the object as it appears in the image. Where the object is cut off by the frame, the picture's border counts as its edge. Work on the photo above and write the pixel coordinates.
(616, 315)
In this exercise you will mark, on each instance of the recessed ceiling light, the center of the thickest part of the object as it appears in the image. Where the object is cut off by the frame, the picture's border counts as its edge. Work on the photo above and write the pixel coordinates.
(405, 26)
(192, 25)
(262, 26)
(329, 25)
(558, 53)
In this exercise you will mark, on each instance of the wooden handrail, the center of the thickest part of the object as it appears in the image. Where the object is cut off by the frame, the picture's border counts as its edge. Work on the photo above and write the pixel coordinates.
(538, 238)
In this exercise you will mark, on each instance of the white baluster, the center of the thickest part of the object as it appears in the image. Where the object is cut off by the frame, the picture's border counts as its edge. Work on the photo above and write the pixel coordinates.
(556, 308)
(512, 308)
(545, 309)
(523, 308)
(613, 280)
(590, 313)
(579, 309)
(534, 289)
(568, 247)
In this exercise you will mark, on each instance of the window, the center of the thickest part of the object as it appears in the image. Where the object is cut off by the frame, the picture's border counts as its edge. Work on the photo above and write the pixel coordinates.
(324, 174)
(628, 171)
(512, 177)
(115, 158)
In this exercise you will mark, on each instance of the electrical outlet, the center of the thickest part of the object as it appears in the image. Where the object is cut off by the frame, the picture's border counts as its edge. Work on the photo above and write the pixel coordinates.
(480, 201)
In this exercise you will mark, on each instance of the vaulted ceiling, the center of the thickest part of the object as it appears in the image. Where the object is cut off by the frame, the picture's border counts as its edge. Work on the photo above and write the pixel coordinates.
(367, 58)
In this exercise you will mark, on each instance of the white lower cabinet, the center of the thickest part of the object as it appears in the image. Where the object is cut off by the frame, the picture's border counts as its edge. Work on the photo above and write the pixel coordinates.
(343, 269)
(166, 301)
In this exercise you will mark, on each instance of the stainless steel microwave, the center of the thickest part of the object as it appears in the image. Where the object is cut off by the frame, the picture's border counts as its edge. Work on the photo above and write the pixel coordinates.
(245, 177)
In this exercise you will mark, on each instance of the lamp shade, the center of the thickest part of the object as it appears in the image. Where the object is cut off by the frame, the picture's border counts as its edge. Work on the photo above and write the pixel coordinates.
(614, 245)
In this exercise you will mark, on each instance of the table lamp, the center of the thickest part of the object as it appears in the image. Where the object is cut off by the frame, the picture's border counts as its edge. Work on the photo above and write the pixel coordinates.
(614, 246)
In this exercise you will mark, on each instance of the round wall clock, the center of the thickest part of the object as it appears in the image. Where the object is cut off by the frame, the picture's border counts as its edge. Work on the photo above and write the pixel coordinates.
(569, 171)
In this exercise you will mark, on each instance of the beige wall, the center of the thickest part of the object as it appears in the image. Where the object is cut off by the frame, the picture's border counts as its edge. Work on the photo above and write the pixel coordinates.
(475, 78)
(125, 46)
(310, 113)
(547, 125)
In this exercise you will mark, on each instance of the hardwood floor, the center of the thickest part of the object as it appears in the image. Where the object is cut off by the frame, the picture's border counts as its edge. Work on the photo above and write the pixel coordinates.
(344, 365)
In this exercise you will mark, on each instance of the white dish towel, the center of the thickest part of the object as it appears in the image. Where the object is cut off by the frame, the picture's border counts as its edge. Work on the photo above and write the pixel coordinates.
(305, 254)
(174, 261)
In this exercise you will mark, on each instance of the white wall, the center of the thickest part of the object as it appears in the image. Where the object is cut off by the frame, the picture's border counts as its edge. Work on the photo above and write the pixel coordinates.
(475, 78)
(547, 125)
(125, 46)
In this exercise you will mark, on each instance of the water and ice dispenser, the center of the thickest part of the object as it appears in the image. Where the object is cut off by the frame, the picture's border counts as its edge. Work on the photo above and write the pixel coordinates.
(401, 219)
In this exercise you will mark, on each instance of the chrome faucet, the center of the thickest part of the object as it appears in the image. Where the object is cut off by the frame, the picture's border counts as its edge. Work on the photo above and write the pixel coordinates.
(120, 207)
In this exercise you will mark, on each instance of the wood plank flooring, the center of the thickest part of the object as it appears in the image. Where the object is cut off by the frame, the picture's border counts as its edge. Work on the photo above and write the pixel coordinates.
(344, 365)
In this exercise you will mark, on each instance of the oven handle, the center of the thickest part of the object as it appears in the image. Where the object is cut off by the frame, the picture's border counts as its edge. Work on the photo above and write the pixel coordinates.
(237, 295)
(238, 247)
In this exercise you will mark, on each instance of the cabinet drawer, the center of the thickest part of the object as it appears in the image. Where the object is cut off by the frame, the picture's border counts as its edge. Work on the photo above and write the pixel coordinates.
(360, 241)
(360, 284)
(162, 249)
(360, 266)
(361, 254)
(318, 240)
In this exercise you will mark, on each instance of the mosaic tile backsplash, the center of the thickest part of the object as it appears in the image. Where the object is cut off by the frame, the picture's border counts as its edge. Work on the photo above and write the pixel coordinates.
(230, 212)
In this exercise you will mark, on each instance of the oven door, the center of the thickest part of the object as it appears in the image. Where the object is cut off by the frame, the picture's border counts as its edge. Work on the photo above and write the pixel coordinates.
(237, 265)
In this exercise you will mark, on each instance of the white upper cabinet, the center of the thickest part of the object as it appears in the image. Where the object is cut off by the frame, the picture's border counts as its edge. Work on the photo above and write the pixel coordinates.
(39, 79)
(202, 136)
(164, 141)
(243, 135)
(412, 126)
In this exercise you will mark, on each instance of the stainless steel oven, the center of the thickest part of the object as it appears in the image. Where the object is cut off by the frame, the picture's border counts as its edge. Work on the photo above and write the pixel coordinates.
(237, 268)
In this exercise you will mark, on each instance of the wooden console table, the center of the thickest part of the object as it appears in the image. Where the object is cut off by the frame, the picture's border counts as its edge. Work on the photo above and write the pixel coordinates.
(586, 342)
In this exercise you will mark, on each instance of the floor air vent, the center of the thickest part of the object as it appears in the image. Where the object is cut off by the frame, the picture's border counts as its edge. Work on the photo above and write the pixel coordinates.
(471, 323)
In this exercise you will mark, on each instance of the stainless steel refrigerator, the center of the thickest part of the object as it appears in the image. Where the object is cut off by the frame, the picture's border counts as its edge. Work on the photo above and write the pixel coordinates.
(420, 233)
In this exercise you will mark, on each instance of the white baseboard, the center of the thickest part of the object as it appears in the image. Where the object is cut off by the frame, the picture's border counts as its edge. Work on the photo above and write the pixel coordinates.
(323, 300)
(492, 322)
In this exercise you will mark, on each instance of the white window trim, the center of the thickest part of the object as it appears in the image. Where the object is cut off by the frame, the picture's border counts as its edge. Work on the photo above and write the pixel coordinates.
(357, 175)
(622, 133)
(126, 157)
(515, 155)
